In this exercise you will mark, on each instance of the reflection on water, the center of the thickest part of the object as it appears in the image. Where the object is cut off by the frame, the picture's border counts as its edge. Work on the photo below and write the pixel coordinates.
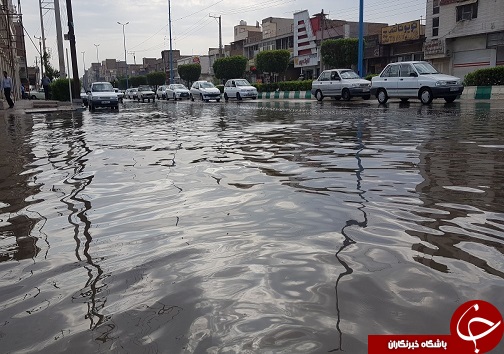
(251, 227)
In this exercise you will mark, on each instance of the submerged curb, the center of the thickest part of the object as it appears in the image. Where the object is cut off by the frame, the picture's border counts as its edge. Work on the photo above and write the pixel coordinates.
(470, 93)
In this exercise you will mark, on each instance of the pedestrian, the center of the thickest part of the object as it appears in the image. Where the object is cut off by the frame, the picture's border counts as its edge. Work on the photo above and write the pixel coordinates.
(22, 92)
(45, 83)
(7, 87)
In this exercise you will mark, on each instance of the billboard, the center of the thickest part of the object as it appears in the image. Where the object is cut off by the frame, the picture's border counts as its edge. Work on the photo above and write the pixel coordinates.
(401, 32)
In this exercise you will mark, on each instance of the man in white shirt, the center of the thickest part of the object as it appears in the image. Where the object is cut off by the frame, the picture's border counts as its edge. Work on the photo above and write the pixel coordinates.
(7, 87)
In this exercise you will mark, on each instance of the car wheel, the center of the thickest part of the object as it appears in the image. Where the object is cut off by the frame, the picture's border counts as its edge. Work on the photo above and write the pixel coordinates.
(238, 97)
(404, 99)
(346, 95)
(336, 98)
(117, 108)
(191, 97)
(319, 96)
(226, 97)
(382, 96)
(218, 100)
(33, 97)
(450, 99)
(174, 97)
(367, 97)
(426, 95)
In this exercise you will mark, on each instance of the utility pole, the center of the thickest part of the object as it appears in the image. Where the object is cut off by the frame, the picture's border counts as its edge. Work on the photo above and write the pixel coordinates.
(20, 13)
(41, 57)
(134, 56)
(220, 34)
(42, 31)
(73, 51)
(59, 38)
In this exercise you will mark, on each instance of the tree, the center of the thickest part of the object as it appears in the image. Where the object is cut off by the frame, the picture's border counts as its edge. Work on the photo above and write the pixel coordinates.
(230, 67)
(273, 61)
(48, 69)
(340, 53)
(156, 78)
(136, 81)
(59, 89)
(189, 72)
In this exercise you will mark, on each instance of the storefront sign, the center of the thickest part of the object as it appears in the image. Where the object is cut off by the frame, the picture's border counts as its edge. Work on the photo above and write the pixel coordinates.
(434, 47)
(401, 32)
(306, 60)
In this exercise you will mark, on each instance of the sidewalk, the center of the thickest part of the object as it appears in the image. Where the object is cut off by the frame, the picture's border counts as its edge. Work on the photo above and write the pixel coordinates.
(38, 106)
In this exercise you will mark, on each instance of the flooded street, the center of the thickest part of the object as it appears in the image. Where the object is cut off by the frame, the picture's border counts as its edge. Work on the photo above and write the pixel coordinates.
(251, 227)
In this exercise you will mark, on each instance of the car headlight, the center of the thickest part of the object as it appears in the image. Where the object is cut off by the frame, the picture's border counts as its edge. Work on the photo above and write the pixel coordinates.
(355, 85)
(441, 83)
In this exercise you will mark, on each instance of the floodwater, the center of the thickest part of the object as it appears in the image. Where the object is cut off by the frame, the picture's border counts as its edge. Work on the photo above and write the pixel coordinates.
(251, 227)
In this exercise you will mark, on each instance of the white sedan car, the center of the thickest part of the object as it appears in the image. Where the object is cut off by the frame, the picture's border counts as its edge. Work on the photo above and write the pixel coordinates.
(205, 91)
(239, 89)
(177, 92)
(37, 94)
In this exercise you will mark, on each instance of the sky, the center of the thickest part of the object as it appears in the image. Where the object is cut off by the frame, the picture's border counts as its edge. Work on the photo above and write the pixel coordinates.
(193, 30)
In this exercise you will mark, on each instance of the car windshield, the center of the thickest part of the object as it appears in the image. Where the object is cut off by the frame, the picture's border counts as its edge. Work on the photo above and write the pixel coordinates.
(206, 85)
(179, 86)
(105, 87)
(144, 88)
(425, 68)
(349, 74)
(242, 82)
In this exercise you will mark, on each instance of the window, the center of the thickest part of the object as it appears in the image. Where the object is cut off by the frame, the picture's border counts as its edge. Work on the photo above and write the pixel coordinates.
(325, 76)
(334, 75)
(391, 71)
(435, 7)
(406, 70)
(467, 12)
(435, 27)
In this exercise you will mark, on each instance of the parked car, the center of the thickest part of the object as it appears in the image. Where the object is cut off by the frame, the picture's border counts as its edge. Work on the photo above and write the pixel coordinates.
(340, 83)
(205, 91)
(131, 93)
(37, 94)
(161, 92)
(146, 93)
(415, 79)
(102, 94)
(120, 94)
(239, 89)
(177, 92)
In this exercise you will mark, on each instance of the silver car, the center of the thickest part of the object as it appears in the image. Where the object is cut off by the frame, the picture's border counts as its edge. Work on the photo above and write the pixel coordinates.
(177, 92)
(340, 83)
(205, 91)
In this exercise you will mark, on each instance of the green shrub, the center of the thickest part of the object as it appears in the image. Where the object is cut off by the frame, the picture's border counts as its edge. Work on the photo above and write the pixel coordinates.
(220, 87)
(230, 67)
(60, 91)
(370, 76)
(485, 77)
(304, 85)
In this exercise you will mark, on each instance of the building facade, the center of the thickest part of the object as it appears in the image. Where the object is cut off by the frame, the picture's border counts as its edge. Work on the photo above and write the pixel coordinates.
(464, 35)
(9, 61)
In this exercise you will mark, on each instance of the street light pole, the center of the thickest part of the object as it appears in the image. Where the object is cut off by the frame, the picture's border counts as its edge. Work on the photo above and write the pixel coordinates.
(97, 45)
(84, 79)
(41, 56)
(171, 48)
(124, 41)
(360, 64)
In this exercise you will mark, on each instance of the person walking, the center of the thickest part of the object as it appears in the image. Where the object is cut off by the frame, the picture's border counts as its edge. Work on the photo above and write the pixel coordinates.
(7, 87)
(45, 83)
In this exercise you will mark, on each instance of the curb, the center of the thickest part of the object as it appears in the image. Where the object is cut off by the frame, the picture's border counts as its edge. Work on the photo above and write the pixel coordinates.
(305, 95)
(470, 93)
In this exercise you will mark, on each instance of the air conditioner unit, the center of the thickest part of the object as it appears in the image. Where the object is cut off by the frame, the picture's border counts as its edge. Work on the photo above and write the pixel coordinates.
(467, 16)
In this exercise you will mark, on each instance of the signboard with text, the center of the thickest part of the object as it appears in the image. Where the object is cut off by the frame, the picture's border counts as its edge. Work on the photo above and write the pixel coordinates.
(401, 32)
(306, 60)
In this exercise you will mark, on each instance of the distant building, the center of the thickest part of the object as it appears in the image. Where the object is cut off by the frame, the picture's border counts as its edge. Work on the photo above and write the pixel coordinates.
(464, 35)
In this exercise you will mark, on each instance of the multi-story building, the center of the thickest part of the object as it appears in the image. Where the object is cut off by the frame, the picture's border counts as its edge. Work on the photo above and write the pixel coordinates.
(464, 35)
(8, 55)
(310, 32)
